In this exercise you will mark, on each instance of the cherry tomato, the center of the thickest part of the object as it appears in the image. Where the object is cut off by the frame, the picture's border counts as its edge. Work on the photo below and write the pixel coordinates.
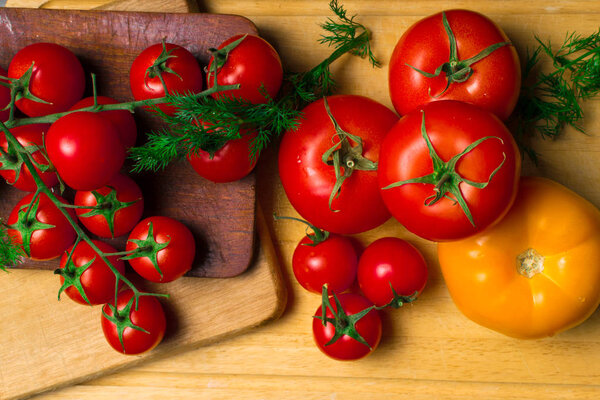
(40, 228)
(495, 79)
(309, 183)
(31, 137)
(388, 263)
(172, 253)
(467, 191)
(85, 149)
(230, 163)
(332, 261)
(122, 119)
(4, 97)
(346, 347)
(253, 64)
(147, 314)
(82, 267)
(57, 78)
(121, 206)
(176, 65)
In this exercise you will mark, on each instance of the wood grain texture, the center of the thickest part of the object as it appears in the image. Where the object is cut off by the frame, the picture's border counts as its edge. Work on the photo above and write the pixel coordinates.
(429, 350)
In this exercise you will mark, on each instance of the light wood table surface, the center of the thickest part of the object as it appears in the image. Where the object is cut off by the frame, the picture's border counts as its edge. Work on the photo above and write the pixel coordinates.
(429, 350)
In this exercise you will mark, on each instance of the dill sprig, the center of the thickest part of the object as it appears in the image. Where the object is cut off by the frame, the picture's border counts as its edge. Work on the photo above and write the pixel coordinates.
(554, 99)
(10, 252)
(206, 123)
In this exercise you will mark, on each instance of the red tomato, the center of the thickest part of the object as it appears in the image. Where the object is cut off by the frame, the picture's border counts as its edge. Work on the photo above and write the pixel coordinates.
(252, 64)
(44, 232)
(230, 163)
(120, 203)
(347, 348)
(495, 81)
(332, 262)
(309, 182)
(432, 207)
(57, 78)
(4, 97)
(177, 67)
(27, 135)
(85, 149)
(122, 119)
(89, 272)
(172, 249)
(147, 314)
(388, 263)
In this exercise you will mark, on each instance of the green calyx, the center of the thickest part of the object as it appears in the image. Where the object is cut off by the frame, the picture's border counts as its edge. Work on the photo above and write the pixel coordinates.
(27, 223)
(159, 66)
(13, 160)
(445, 178)
(147, 247)
(317, 236)
(19, 88)
(344, 157)
(122, 319)
(456, 70)
(399, 300)
(72, 275)
(107, 206)
(220, 55)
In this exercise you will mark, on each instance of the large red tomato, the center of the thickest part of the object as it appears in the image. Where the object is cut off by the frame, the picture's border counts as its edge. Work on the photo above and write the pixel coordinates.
(57, 78)
(311, 183)
(253, 64)
(168, 63)
(32, 139)
(449, 170)
(40, 227)
(86, 150)
(447, 49)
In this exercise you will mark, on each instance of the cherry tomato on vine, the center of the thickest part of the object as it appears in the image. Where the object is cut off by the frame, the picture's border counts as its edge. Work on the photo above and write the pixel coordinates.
(120, 203)
(123, 120)
(391, 263)
(455, 55)
(40, 227)
(350, 201)
(230, 163)
(132, 328)
(253, 64)
(4, 97)
(163, 249)
(167, 62)
(56, 78)
(83, 273)
(31, 137)
(85, 149)
(449, 170)
(346, 347)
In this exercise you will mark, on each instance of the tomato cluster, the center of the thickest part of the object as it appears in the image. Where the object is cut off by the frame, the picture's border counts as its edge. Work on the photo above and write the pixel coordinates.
(85, 149)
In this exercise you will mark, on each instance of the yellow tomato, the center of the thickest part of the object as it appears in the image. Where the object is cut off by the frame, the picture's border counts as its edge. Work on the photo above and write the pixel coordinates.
(534, 274)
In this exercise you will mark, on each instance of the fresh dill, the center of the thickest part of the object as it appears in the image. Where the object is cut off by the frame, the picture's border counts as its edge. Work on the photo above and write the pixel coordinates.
(10, 252)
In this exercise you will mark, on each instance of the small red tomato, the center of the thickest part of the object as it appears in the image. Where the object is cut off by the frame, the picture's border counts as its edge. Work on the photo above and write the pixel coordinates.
(57, 78)
(230, 163)
(165, 249)
(388, 263)
(120, 206)
(132, 328)
(40, 227)
(32, 138)
(83, 272)
(346, 347)
(85, 149)
(123, 120)
(253, 64)
(175, 65)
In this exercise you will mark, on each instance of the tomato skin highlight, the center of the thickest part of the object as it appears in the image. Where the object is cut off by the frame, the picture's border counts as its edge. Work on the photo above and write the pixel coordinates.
(58, 78)
(252, 64)
(347, 348)
(496, 79)
(485, 277)
(98, 281)
(308, 182)
(391, 261)
(451, 126)
(28, 135)
(149, 315)
(85, 149)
